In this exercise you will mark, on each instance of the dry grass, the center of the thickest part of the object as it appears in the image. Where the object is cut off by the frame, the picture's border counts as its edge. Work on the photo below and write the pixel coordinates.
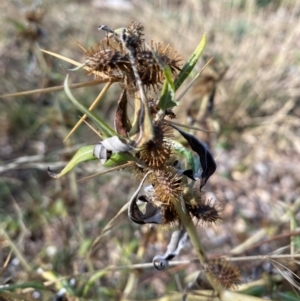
(50, 224)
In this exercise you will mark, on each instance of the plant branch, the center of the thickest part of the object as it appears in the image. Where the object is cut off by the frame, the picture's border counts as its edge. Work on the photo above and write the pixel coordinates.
(196, 242)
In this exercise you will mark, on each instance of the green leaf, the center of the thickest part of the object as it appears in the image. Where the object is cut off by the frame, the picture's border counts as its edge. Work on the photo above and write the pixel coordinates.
(256, 291)
(286, 296)
(103, 126)
(189, 66)
(85, 153)
(294, 225)
(167, 96)
(168, 92)
(117, 159)
(92, 280)
(31, 284)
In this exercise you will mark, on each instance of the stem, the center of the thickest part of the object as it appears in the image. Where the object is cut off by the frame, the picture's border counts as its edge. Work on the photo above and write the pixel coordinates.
(16, 251)
(196, 242)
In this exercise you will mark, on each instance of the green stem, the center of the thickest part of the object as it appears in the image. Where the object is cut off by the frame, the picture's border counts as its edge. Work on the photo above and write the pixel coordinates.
(196, 242)
(16, 251)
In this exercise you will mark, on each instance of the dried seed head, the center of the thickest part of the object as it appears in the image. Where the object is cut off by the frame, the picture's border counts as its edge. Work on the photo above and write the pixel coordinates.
(111, 62)
(135, 31)
(137, 171)
(170, 216)
(227, 275)
(35, 15)
(156, 152)
(206, 211)
(111, 58)
(149, 70)
(167, 185)
(154, 108)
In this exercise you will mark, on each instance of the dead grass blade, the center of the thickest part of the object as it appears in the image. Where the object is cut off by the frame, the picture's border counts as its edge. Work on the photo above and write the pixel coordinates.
(93, 105)
(66, 59)
(113, 223)
(54, 89)
(286, 273)
(2, 270)
(108, 171)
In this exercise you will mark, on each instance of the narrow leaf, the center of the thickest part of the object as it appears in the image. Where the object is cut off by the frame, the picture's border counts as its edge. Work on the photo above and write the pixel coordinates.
(103, 126)
(168, 92)
(85, 153)
(189, 66)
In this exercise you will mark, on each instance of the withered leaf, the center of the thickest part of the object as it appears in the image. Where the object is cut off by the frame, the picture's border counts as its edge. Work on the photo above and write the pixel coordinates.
(122, 122)
(101, 152)
(207, 161)
(152, 213)
(178, 241)
(115, 144)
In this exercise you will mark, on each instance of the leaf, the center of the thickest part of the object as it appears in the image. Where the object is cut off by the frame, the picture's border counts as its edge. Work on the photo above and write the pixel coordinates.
(112, 152)
(92, 280)
(286, 296)
(179, 148)
(122, 122)
(207, 161)
(85, 153)
(177, 243)
(189, 66)
(167, 97)
(116, 145)
(103, 126)
(152, 213)
(118, 159)
(142, 127)
(136, 119)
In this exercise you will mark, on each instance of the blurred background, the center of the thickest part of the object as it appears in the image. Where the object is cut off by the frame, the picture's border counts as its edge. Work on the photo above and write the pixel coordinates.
(248, 97)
